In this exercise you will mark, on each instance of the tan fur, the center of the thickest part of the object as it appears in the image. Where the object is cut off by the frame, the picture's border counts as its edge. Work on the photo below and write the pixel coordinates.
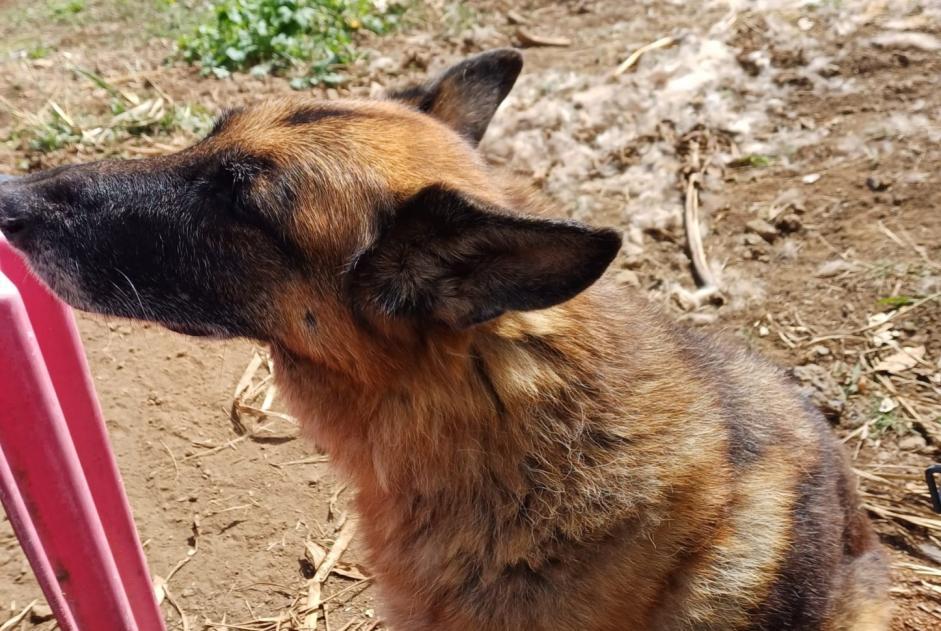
(590, 466)
(663, 532)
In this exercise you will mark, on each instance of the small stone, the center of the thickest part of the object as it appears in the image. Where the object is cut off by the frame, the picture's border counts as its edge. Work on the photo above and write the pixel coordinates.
(382, 64)
(810, 178)
(41, 612)
(763, 229)
(876, 185)
(829, 269)
(752, 239)
(931, 551)
(912, 442)
(788, 223)
(763, 331)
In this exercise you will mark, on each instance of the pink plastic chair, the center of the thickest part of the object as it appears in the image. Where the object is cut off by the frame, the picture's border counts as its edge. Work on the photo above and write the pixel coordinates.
(59, 483)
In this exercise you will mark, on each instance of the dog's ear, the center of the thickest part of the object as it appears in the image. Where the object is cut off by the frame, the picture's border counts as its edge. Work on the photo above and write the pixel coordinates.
(466, 95)
(444, 257)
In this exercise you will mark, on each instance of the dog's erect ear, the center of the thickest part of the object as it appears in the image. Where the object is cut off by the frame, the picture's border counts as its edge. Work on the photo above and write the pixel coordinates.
(466, 95)
(445, 257)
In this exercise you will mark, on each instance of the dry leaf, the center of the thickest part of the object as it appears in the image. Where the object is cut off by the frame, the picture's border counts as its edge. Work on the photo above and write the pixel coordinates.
(160, 591)
(884, 335)
(315, 554)
(528, 39)
(901, 361)
(829, 269)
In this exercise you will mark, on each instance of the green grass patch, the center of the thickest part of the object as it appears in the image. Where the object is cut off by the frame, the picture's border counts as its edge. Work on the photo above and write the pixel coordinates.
(894, 302)
(68, 9)
(128, 115)
(752, 160)
(313, 40)
(50, 130)
(57, 24)
(49, 133)
(886, 419)
(38, 52)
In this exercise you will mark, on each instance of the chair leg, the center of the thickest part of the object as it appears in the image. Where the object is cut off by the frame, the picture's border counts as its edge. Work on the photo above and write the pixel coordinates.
(44, 464)
(64, 356)
(26, 534)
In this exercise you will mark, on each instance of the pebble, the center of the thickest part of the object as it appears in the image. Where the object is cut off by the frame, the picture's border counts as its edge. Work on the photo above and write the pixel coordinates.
(41, 612)
(912, 442)
(763, 229)
(876, 185)
(788, 223)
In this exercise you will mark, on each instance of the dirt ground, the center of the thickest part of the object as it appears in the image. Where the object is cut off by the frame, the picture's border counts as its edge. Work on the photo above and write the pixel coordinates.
(817, 129)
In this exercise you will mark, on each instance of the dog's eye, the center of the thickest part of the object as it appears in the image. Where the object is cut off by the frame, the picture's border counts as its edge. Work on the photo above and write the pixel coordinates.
(239, 203)
(233, 185)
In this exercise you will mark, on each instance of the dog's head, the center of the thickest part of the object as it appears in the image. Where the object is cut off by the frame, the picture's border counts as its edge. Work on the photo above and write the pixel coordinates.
(298, 222)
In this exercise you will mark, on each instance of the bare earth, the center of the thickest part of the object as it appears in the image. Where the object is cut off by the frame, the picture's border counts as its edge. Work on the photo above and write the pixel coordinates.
(819, 130)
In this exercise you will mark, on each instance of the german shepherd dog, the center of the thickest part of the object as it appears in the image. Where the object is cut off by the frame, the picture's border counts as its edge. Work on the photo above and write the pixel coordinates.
(533, 447)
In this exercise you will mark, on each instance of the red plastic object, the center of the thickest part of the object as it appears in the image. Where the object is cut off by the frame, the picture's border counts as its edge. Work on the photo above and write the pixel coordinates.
(58, 479)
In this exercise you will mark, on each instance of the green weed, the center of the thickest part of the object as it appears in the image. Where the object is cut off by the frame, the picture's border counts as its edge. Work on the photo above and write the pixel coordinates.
(894, 302)
(38, 52)
(315, 37)
(886, 419)
(53, 133)
(68, 9)
(754, 160)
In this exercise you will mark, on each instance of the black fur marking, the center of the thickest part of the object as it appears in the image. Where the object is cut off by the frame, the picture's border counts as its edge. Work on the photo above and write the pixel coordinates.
(800, 597)
(310, 320)
(419, 96)
(745, 445)
(180, 241)
(480, 367)
(467, 95)
(224, 119)
(310, 115)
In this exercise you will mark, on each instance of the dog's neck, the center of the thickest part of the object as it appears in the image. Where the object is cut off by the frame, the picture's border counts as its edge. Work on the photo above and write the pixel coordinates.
(532, 426)
(529, 400)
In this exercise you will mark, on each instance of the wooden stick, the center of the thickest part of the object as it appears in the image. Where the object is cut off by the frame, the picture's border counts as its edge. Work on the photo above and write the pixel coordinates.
(704, 276)
(18, 618)
(629, 63)
(323, 571)
(694, 235)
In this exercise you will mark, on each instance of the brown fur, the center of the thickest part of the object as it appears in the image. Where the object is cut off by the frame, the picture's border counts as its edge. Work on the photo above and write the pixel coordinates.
(586, 466)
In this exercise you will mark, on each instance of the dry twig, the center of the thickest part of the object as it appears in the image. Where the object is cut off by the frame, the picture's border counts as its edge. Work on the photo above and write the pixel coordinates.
(14, 622)
(635, 56)
(323, 571)
(528, 38)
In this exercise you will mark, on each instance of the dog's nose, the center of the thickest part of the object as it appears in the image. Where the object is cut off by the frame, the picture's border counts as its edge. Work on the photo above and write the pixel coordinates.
(13, 219)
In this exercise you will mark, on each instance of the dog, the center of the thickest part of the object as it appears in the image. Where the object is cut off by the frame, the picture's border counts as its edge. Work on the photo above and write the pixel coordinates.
(533, 446)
